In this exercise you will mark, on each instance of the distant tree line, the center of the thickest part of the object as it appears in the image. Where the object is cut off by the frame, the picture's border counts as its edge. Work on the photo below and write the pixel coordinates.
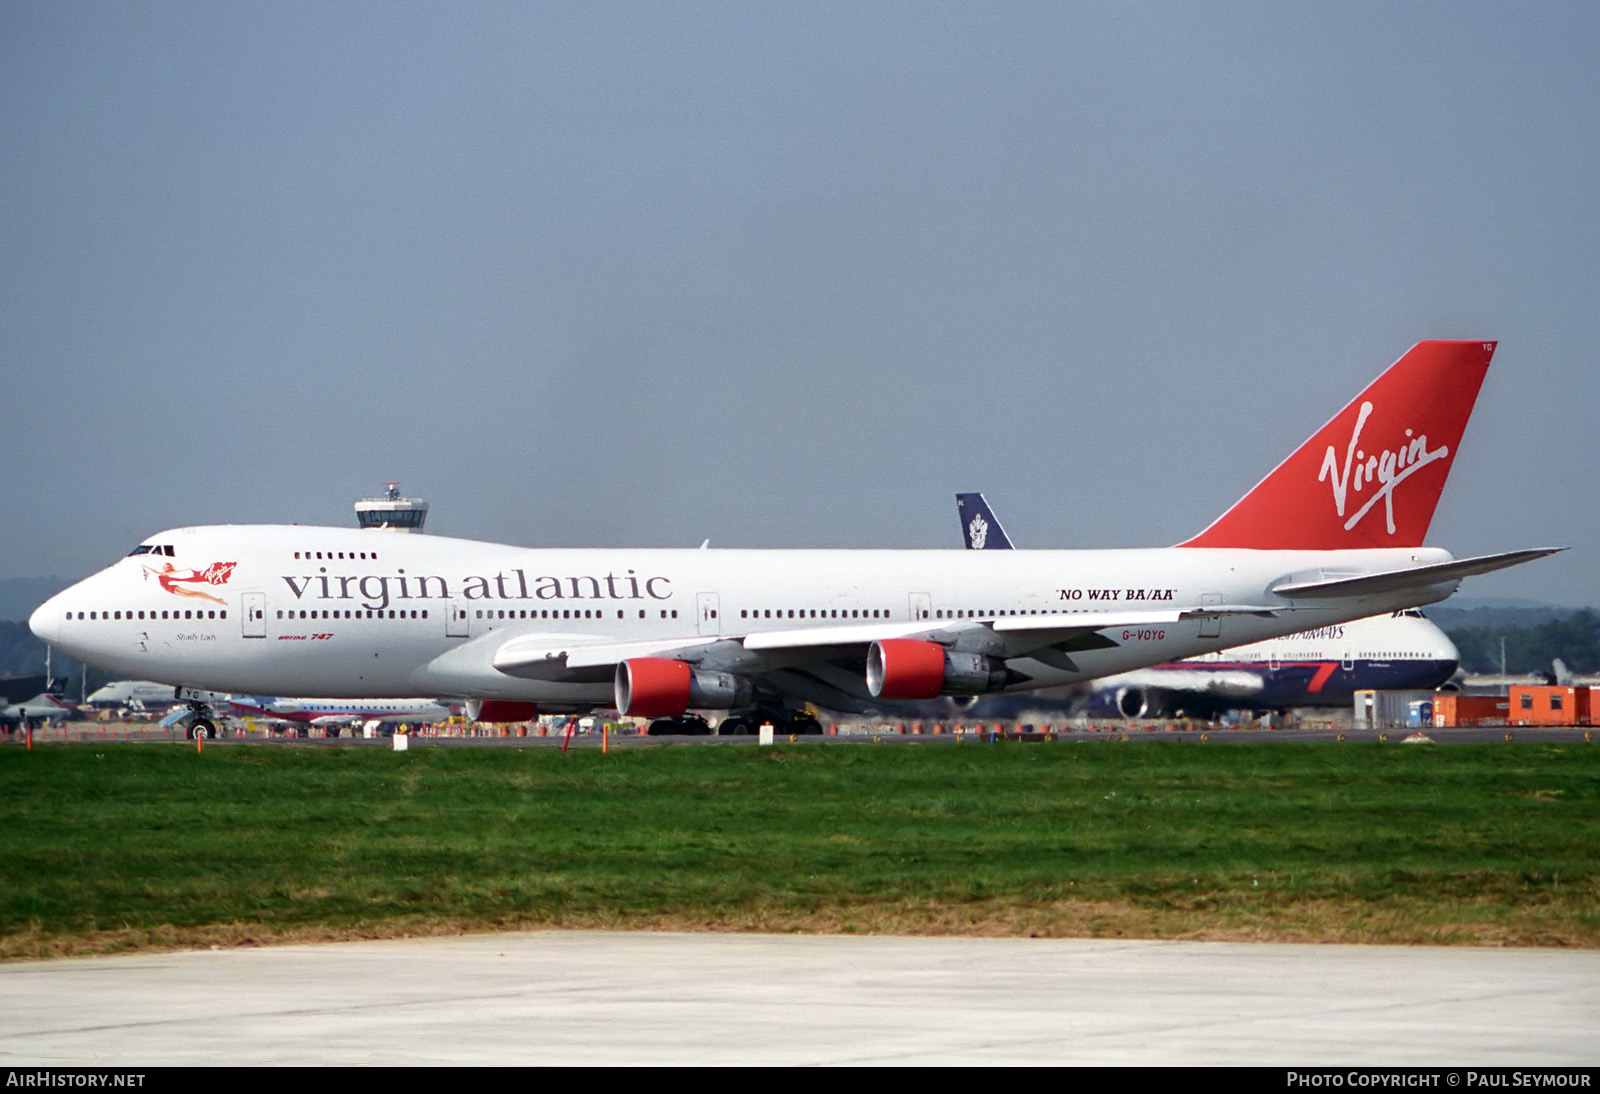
(21, 654)
(1575, 639)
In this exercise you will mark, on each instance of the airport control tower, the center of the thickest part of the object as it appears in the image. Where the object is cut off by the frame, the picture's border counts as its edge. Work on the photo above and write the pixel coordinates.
(391, 512)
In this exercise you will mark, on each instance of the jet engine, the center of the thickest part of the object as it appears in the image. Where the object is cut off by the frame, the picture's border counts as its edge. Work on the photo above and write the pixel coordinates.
(657, 687)
(500, 710)
(908, 668)
(1147, 702)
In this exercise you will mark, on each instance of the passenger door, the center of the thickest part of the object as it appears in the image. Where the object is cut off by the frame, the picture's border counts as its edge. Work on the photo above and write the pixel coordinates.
(253, 617)
(709, 613)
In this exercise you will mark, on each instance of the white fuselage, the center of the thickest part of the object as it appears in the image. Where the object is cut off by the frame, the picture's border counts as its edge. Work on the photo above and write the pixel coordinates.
(315, 611)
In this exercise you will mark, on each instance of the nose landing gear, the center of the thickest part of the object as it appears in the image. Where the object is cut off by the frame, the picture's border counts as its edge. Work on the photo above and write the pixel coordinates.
(198, 721)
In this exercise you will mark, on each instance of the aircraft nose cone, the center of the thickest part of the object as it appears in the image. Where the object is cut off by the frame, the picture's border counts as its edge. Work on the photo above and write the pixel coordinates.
(45, 622)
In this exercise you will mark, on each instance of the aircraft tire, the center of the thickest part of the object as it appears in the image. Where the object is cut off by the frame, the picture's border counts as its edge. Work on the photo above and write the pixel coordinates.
(203, 730)
(734, 726)
(804, 723)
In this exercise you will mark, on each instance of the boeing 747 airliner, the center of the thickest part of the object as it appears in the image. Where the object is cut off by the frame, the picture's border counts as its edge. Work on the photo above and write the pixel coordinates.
(1334, 533)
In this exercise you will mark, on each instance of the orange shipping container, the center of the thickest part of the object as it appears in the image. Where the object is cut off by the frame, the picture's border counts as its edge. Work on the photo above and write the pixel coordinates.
(1541, 705)
(1450, 709)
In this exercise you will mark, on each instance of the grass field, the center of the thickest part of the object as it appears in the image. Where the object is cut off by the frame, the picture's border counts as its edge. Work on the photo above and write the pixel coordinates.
(122, 846)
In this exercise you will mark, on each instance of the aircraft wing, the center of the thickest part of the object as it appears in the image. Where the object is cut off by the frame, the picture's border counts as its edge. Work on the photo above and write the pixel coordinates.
(548, 657)
(552, 657)
(1018, 633)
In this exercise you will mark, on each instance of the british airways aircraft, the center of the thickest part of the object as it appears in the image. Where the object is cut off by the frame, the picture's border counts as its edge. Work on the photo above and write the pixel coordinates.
(1323, 667)
(41, 709)
(336, 714)
(1334, 533)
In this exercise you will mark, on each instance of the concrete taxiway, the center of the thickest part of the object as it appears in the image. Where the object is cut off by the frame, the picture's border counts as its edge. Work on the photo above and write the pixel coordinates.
(641, 998)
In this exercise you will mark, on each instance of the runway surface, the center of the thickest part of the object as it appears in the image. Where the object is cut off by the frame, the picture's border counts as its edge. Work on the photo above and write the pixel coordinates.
(640, 998)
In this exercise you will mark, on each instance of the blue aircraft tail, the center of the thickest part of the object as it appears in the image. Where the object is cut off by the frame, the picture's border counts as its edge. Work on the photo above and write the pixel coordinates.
(979, 526)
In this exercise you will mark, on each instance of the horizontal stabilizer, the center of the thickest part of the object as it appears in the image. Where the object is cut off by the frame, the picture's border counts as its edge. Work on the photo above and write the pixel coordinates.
(1416, 577)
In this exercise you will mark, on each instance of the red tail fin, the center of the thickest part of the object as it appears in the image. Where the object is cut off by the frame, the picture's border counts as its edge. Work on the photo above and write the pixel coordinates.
(1372, 476)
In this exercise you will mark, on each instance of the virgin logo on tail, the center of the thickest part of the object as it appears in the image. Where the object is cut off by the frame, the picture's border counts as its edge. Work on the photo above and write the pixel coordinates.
(1391, 468)
(1428, 393)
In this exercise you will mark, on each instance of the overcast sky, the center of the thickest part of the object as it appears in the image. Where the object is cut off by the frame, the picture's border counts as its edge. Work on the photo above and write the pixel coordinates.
(782, 274)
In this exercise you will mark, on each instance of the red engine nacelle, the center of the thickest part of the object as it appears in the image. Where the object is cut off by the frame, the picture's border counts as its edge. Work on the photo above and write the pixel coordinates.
(905, 668)
(501, 710)
(657, 687)
(652, 687)
(908, 668)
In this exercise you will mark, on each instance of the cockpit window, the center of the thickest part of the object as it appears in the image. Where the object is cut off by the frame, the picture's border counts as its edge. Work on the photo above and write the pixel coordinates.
(151, 549)
(142, 549)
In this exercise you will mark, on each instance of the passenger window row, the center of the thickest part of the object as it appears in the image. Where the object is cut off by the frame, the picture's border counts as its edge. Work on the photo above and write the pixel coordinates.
(361, 613)
(151, 614)
(563, 613)
(813, 613)
(876, 613)
(969, 613)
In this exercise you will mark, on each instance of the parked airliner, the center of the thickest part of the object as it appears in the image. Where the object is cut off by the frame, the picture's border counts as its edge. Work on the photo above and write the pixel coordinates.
(335, 714)
(1334, 533)
(42, 708)
(132, 693)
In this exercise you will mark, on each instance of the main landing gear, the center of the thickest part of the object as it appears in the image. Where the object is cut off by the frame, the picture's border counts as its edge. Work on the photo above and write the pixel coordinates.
(741, 724)
(685, 725)
(783, 722)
